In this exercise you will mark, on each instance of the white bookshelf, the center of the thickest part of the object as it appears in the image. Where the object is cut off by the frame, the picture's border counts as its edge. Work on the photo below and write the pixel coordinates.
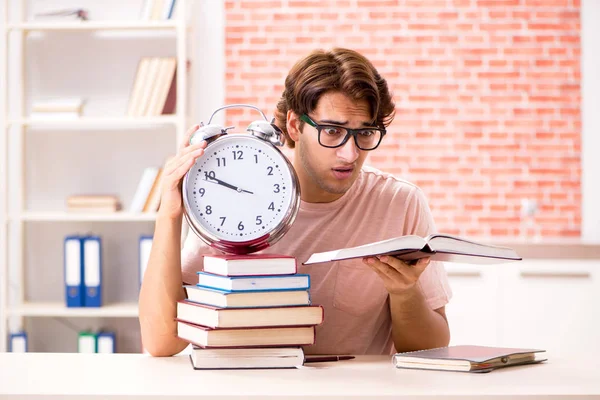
(123, 216)
(95, 122)
(95, 25)
(16, 219)
(56, 309)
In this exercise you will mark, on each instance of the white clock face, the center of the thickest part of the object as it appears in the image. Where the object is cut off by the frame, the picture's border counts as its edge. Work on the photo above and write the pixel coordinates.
(240, 189)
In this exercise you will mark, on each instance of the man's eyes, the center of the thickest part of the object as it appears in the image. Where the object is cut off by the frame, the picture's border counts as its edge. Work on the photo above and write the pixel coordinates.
(333, 130)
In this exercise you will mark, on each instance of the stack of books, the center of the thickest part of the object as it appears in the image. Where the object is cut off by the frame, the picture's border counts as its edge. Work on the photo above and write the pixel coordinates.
(93, 203)
(248, 311)
(57, 108)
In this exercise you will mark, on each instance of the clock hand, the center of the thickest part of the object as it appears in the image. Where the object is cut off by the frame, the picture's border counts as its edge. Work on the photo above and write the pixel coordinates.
(227, 185)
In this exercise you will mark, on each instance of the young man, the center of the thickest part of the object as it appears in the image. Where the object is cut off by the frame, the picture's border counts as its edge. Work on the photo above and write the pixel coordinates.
(333, 111)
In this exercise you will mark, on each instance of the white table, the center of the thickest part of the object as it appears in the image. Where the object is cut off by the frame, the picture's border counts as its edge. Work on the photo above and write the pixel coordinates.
(137, 376)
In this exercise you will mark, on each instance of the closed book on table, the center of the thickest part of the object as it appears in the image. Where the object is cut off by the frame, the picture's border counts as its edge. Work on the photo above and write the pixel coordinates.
(249, 264)
(267, 282)
(215, 317)
(206, 337)
(247, 358)
(468, 358)
(239, 299)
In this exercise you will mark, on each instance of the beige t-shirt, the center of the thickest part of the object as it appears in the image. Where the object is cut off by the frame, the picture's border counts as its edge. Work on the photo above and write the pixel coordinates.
(356, 303)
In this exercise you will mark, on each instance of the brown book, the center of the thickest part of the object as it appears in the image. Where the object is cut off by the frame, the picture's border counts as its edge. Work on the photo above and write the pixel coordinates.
(204, 337)
(468, 358)
(170, 103)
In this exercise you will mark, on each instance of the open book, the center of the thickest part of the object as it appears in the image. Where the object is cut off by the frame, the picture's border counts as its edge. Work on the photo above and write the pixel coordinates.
(468, 358)
(439, 247)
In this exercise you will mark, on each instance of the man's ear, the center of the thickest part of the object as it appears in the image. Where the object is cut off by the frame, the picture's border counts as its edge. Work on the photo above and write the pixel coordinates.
(293, 125)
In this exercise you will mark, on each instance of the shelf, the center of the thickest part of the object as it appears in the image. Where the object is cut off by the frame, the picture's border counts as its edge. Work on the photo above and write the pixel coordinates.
(68, 216)
(96, 122)
(49, 309)
(94, 25)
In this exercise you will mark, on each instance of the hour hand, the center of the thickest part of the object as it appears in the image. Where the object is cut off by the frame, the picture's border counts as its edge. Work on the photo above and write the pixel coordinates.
(227, 185)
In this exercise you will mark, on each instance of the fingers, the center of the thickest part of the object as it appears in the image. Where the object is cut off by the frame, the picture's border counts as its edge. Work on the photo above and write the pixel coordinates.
(393, 264)
(188, 136)
(181, 157)
(178, 166)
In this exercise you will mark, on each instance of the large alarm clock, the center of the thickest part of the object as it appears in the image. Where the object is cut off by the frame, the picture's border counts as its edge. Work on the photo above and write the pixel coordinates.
(242, 195)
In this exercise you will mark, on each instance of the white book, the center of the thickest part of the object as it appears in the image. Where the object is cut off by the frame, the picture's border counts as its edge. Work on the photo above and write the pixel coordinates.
(143, 189)
(58, 104)
(54, 116)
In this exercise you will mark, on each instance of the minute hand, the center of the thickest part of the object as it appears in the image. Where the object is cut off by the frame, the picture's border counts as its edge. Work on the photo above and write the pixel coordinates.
(228, 185)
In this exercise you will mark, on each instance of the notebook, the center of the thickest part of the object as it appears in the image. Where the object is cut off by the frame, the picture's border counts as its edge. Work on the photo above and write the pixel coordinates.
(468, 358)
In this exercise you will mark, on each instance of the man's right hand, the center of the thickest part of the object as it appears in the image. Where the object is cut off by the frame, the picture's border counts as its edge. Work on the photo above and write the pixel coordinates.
(171, 205)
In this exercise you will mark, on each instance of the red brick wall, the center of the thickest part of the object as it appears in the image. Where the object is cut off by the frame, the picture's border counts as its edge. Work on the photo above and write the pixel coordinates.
(487, 96)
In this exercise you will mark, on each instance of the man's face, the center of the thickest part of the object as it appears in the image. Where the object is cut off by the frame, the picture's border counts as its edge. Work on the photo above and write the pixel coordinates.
(325, 174)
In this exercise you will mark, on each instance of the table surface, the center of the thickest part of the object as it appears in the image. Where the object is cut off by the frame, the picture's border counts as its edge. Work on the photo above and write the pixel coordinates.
(133, 376)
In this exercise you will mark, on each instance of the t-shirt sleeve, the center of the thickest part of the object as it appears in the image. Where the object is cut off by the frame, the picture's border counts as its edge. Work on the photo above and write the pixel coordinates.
(434, 280)
(192, 257)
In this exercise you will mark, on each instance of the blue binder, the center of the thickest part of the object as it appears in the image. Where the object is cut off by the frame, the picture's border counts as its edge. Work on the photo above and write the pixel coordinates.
(17, 342)
(145, 244)
(73, 267)
(92, 266)
(105, 342)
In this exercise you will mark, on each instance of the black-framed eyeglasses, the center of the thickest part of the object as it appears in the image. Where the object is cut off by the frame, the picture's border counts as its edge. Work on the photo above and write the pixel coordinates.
(333, 136)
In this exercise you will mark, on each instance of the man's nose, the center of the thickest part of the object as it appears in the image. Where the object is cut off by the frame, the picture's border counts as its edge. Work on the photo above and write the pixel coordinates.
(349, 152)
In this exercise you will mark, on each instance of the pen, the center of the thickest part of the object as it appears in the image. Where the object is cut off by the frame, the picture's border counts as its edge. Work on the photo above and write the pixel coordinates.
(326, 358)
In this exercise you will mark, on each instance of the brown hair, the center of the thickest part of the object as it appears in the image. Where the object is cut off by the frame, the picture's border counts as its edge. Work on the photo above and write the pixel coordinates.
(343, 70)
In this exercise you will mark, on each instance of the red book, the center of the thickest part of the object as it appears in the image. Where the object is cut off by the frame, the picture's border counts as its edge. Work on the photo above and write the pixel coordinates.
(216, 317)
(207, 337)
(250, 264)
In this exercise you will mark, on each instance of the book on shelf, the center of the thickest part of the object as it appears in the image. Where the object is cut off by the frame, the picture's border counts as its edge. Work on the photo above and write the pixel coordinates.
(144, 188)
(266, 298)
(264, 282)
(219, 317)
(252, 264)
(100, 341)
(440, 247)
(153, 199)
(281, 336)
(78, 14)
(93, 203)
(17, 342)
(246, 358)
(468, 358)
(59, 108)
(158, 9)
(154, 90)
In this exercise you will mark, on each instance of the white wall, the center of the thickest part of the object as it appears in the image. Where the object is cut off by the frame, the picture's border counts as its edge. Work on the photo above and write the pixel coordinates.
(590, 143)
(101, 67)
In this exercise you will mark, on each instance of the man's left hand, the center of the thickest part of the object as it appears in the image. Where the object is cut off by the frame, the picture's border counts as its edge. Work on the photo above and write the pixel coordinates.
(397, 275)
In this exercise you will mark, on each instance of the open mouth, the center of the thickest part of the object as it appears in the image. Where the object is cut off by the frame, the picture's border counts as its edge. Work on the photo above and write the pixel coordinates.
(343, 172)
